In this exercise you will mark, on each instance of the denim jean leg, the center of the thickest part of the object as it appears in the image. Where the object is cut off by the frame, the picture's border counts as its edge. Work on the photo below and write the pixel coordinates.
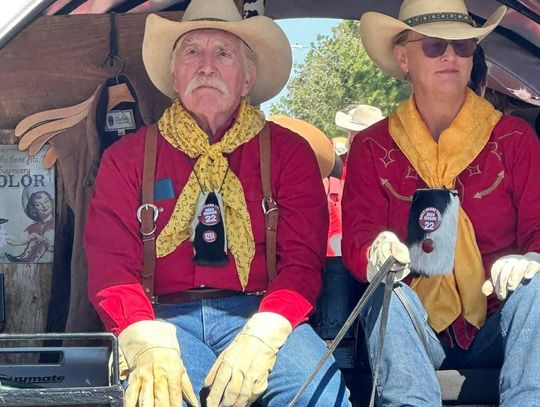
(197, 357)
(406, 374)
(295, 361)
(520, 326)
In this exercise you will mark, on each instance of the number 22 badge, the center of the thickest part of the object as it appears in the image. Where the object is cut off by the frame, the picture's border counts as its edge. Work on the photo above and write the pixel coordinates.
(430, 219)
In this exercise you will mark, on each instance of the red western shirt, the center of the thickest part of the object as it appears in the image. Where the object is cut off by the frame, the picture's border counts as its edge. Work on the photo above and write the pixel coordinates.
(114, 248)
(499, 191)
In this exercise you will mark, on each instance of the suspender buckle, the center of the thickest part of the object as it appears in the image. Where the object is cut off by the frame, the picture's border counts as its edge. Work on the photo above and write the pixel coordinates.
(147, 206)
(147, 234)
(269, 205)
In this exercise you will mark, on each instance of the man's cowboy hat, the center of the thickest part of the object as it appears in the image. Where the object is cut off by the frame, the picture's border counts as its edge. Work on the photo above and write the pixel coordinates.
(261, 34)
(321, 145)
(358, 118)
(448, 19)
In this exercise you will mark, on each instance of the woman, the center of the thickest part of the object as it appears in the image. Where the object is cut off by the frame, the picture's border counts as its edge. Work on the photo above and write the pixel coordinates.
(453, 178)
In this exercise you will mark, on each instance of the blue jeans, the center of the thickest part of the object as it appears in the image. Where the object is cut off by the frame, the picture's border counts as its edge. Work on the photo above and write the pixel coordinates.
(205, 328)
(509, 338)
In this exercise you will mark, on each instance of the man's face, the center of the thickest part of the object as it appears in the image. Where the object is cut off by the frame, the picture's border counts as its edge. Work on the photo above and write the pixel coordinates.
(446, 74)
(209, 74)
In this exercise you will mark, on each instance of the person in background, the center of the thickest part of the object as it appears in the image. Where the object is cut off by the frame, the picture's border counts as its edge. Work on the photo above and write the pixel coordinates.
(357, 119)
(447, 185)
(219, 324)
(329, 164)
(354, 120)
(333, 185)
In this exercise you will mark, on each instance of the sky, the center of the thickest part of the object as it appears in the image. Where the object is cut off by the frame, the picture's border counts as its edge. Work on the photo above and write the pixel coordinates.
(302, 32)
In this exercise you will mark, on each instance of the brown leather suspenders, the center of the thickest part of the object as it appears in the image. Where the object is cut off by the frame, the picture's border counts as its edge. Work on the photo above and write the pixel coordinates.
(148, 212)
(269, 205)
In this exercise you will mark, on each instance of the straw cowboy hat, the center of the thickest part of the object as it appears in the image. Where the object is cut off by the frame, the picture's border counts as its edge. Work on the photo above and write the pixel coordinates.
(261, 34)
(321, 145)
(448, 19)
(358, 118)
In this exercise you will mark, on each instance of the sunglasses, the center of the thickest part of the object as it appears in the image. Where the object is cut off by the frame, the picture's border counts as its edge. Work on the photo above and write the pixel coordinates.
(435, 47)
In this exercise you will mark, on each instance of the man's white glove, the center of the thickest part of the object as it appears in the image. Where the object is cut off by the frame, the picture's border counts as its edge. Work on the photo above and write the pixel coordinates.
(240, 374)
(157, 376)
(387, 244)
(509, 271)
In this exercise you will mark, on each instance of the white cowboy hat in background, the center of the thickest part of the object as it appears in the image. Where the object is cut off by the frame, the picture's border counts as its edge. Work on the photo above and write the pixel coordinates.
(261, 34)
(448, 19)
(358, 118)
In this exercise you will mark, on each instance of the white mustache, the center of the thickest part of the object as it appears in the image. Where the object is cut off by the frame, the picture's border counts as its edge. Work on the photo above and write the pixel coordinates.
(204, 80)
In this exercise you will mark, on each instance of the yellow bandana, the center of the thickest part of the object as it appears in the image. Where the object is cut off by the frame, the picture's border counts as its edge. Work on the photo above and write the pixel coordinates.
(446, 297)
(212, 171)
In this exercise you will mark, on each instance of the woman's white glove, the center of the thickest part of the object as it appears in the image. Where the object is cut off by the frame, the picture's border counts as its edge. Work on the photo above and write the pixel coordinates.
(240, 374)
(387, 244)
(509, 271)
(157, 376)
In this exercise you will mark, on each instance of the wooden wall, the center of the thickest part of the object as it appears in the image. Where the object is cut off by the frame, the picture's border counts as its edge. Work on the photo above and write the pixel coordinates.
(58, 62)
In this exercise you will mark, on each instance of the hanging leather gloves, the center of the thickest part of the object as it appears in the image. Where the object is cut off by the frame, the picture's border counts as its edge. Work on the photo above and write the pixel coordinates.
(157, 376)
(509, 271)
(240, 374)
(387, 244)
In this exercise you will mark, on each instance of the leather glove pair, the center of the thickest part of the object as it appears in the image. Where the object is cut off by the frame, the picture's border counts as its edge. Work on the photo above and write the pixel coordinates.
(509, 271)
(156, 375)
(387, 244)
(240, 374)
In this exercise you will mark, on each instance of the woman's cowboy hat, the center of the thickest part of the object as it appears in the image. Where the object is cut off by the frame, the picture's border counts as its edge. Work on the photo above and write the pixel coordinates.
(448, 19)
(261, 34)
(358, 118)
(321, 145)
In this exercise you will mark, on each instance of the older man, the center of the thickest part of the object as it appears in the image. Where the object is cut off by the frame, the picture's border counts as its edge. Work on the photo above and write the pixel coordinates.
(239, 327)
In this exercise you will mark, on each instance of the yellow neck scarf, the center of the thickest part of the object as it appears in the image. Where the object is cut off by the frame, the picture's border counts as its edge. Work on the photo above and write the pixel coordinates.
(446, 297)
(212, 172)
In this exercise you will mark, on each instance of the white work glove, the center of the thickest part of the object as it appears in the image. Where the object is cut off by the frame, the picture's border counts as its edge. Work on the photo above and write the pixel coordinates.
(240, 374)
(509, 271)
(157, 376)
(387, 244)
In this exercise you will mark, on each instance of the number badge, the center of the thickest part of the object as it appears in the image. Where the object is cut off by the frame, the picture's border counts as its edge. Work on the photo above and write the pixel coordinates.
(210, 215)
(430, 219)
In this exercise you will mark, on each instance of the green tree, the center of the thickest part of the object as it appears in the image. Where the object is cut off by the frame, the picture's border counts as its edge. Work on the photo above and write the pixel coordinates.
(336, 75)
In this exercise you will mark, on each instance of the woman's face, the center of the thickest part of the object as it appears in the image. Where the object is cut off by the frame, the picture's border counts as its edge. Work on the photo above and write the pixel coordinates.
(445, 75)
(43, 205)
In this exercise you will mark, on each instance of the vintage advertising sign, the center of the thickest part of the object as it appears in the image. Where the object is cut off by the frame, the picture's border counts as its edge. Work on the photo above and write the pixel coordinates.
(26, 207)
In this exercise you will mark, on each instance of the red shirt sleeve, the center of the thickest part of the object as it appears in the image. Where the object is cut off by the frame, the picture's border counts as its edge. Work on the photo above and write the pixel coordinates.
(364, 206)
(112, 242)
(523, 160)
